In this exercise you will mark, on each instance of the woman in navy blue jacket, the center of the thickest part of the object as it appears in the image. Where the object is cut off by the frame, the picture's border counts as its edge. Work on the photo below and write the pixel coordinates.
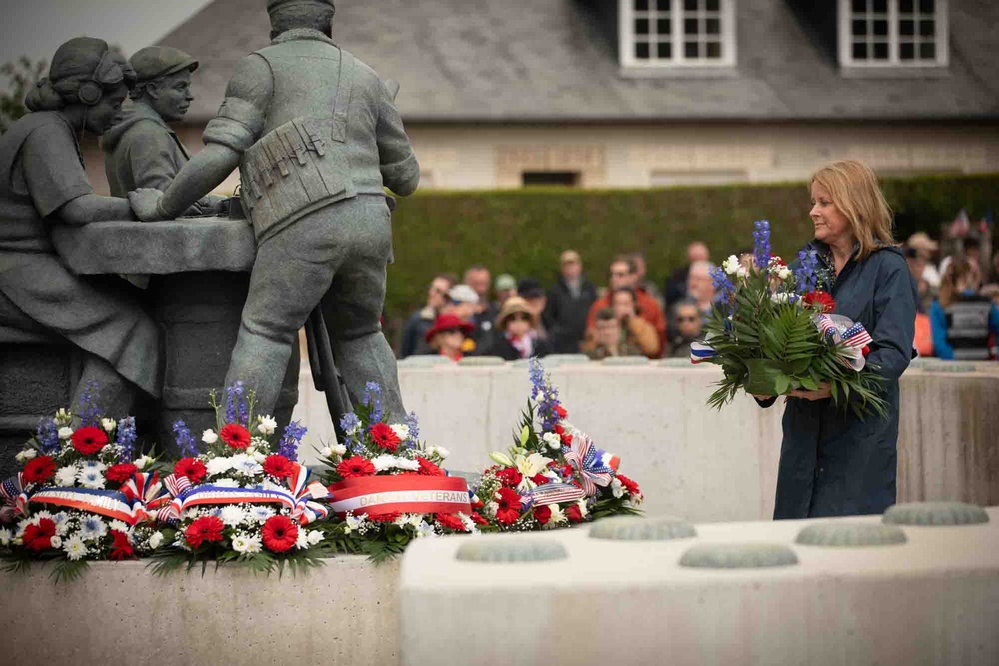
(832, 462)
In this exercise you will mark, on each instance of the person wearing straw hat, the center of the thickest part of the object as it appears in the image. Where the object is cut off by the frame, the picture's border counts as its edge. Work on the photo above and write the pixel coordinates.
(447, 336)
(517, 332)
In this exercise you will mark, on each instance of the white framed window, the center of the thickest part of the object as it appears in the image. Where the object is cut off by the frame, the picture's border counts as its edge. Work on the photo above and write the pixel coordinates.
(677, 33)
(893, 33)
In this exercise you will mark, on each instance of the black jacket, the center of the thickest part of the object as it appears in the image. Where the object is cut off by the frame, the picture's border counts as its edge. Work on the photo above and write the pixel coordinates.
(565, 317)
(501, 347)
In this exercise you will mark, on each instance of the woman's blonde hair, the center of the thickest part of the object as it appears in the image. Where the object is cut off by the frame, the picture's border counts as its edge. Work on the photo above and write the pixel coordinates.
(855, 192)
(960, 271)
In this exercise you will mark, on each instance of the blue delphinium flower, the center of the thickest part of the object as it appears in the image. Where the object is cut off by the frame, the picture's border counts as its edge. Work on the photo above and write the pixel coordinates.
(351, 426)
(48, 435)
(724, 289)
(90, 413)
(372, 399)
(413, 424)
(761, 245)
(537, 374)
(544, 393)
(186, 444)
(126, 437)
(805, 274)
(236, 409)
(288, 446)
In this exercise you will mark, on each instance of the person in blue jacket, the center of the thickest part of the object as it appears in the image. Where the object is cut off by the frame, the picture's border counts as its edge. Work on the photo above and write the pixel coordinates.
(832, 462)
(960, 319)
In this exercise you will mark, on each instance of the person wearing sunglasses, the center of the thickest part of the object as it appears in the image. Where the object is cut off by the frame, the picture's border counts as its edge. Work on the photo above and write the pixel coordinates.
(517, 332)
(688, 323)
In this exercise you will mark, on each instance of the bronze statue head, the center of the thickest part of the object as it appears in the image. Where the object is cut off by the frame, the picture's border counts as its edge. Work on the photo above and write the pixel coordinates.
(309, 14)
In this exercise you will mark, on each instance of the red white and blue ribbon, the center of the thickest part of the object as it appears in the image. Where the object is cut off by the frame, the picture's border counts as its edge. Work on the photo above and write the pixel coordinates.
(146, 489)
(555, 493)
(594, 466)
(701, 351)
(849, 336)
(380, 495)
(11, 497)
(110, 503)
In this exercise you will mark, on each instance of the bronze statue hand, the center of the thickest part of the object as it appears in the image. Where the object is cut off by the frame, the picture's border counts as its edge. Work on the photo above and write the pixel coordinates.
(145, 204)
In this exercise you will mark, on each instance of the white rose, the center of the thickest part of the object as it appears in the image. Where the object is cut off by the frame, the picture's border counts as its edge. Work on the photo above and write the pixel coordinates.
(56, 542)
(108, 424)
(266, 425)
(784, 272)
(209, 436)
(552, 440)
(617, 488)
(25, 455)
(65, 433)
(339, 449)
(441, 451)
(401, 431)
(326, 452)
(315, 536)
(155, 539)
(731, 265)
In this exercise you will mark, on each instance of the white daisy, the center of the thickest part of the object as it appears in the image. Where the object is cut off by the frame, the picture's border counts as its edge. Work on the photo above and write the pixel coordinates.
(261, 513)
(75, 548)
(233, 515)
(401, 431)
(61, 521)
(302, 542)
(92, 528)
(226, 482)
(266, 425)
(39, 515)
(119, 525)
(246, 466)
(90, 477)
(155, 539)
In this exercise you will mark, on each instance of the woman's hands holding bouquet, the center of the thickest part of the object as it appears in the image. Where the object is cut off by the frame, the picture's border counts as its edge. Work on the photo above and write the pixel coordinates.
(824, 391)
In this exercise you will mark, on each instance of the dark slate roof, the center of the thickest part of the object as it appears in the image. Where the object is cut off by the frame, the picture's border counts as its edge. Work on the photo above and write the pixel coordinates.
(556, 61)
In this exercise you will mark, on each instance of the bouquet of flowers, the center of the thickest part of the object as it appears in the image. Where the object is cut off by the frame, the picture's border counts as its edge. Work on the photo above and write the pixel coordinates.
(553, 475)
(387, 487)
(82, 495)
(772, 331)
(237, 501)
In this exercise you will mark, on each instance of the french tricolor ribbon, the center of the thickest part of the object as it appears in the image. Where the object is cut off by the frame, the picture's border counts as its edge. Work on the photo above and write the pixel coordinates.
(146, 489)
(595, 467)
(110, 503)
(850, 337)
(701, 351)
(307, 509)
(555, 493)
(380, 495)
(174, 485)
(11, 491)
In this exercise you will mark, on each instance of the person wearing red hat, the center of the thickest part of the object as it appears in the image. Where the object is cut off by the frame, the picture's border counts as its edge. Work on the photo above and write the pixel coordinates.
(447, 336)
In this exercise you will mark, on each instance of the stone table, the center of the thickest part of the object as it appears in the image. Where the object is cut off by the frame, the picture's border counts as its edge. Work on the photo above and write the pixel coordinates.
(199, 269)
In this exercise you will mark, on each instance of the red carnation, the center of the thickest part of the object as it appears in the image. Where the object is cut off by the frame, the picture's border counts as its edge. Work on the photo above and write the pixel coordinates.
(560, 410)
(39, 469)
(235, 436)
(355, 467)
(278, 466)
(280, 533)
(192, 468)
(509, 506)
(574, 514)
(509, 476)
(89, 440)
(206, 528)
(866, 350)
(478, 519)
(540, 479)
(823, 299)
(543, 514)
(427, 468)
(122, 549)
(566, 439)
(389, 517)
(449, 521)
(121, 473)
(39, 537)
(558, 430)
(385, 437)
(629, 484)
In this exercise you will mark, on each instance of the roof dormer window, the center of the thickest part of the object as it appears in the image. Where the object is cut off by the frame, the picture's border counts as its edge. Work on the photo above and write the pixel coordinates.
(893, 33)
(677, 33)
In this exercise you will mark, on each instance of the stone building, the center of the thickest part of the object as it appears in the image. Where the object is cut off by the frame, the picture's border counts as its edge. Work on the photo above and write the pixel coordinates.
(645, 93)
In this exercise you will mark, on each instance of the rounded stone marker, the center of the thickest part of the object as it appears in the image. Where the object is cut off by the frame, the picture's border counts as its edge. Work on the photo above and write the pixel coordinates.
(935, 513)
(625, 360)
(738, 556)
(479, 361)
(850, 535)
(565, 359)
(508, 550)
(950, 367)
(425, 361)
(633, 528)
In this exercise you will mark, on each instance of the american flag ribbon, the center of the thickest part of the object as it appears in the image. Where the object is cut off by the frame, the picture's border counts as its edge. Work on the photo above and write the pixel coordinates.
(554, 493)
(10, 494)
(589, 462)
(701, 351)
(848, 336)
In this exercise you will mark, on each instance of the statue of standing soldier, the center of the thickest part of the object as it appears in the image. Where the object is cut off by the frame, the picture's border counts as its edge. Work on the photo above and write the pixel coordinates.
(316, 136)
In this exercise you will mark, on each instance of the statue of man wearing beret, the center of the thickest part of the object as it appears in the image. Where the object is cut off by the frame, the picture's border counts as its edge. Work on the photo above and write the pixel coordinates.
(316, 136)
(142, 150)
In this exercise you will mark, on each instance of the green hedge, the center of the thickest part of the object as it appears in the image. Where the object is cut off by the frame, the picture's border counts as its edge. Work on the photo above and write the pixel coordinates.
(523, 231)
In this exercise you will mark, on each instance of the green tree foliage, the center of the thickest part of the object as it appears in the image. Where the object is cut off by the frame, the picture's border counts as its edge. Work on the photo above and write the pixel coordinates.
(20, 76)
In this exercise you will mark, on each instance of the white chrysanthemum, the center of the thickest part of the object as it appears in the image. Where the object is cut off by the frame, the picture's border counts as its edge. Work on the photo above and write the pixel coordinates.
(245, 543)
(467, 522)
(62, 523)
(558, 517)
(209, 436)
(66, 476)
(401, 431)
(552, 440)
(617, 488)
(218, 466)
(6, 536)
(731, 265)
(25, 455)
(314, 537)
(270, 485)
(259, 457)
(92, 528)
(144, 462)
(95, 464)
(155, 539)
(302, 541)
(226, 482)
(65, 433)
(75, 548)
(424, 529)
(386, 462)
(119, 525)
(90, 477)
(233, 515)
(266, 425)
(108, 424)
(260, 514)
(438, 451)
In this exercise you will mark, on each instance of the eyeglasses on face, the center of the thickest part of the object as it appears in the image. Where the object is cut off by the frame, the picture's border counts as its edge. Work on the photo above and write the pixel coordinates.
(519, 316)
(620, 273)
(691, 318)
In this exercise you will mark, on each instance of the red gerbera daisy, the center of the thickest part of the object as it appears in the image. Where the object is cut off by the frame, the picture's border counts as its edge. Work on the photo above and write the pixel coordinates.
(280, 533)
(385, 517)
(822, 298)
(39, 537)
(509, 476)
(121, 473)
(122, 549)
(427, 468)
(509, 506)
(235, 436)
(385, 437)
(39, 469)
(543, 514)
(279, 467)
(449, 521)
(355, 467)
(89, 440)
(206, 528)
(192, 468)
(478, 519)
